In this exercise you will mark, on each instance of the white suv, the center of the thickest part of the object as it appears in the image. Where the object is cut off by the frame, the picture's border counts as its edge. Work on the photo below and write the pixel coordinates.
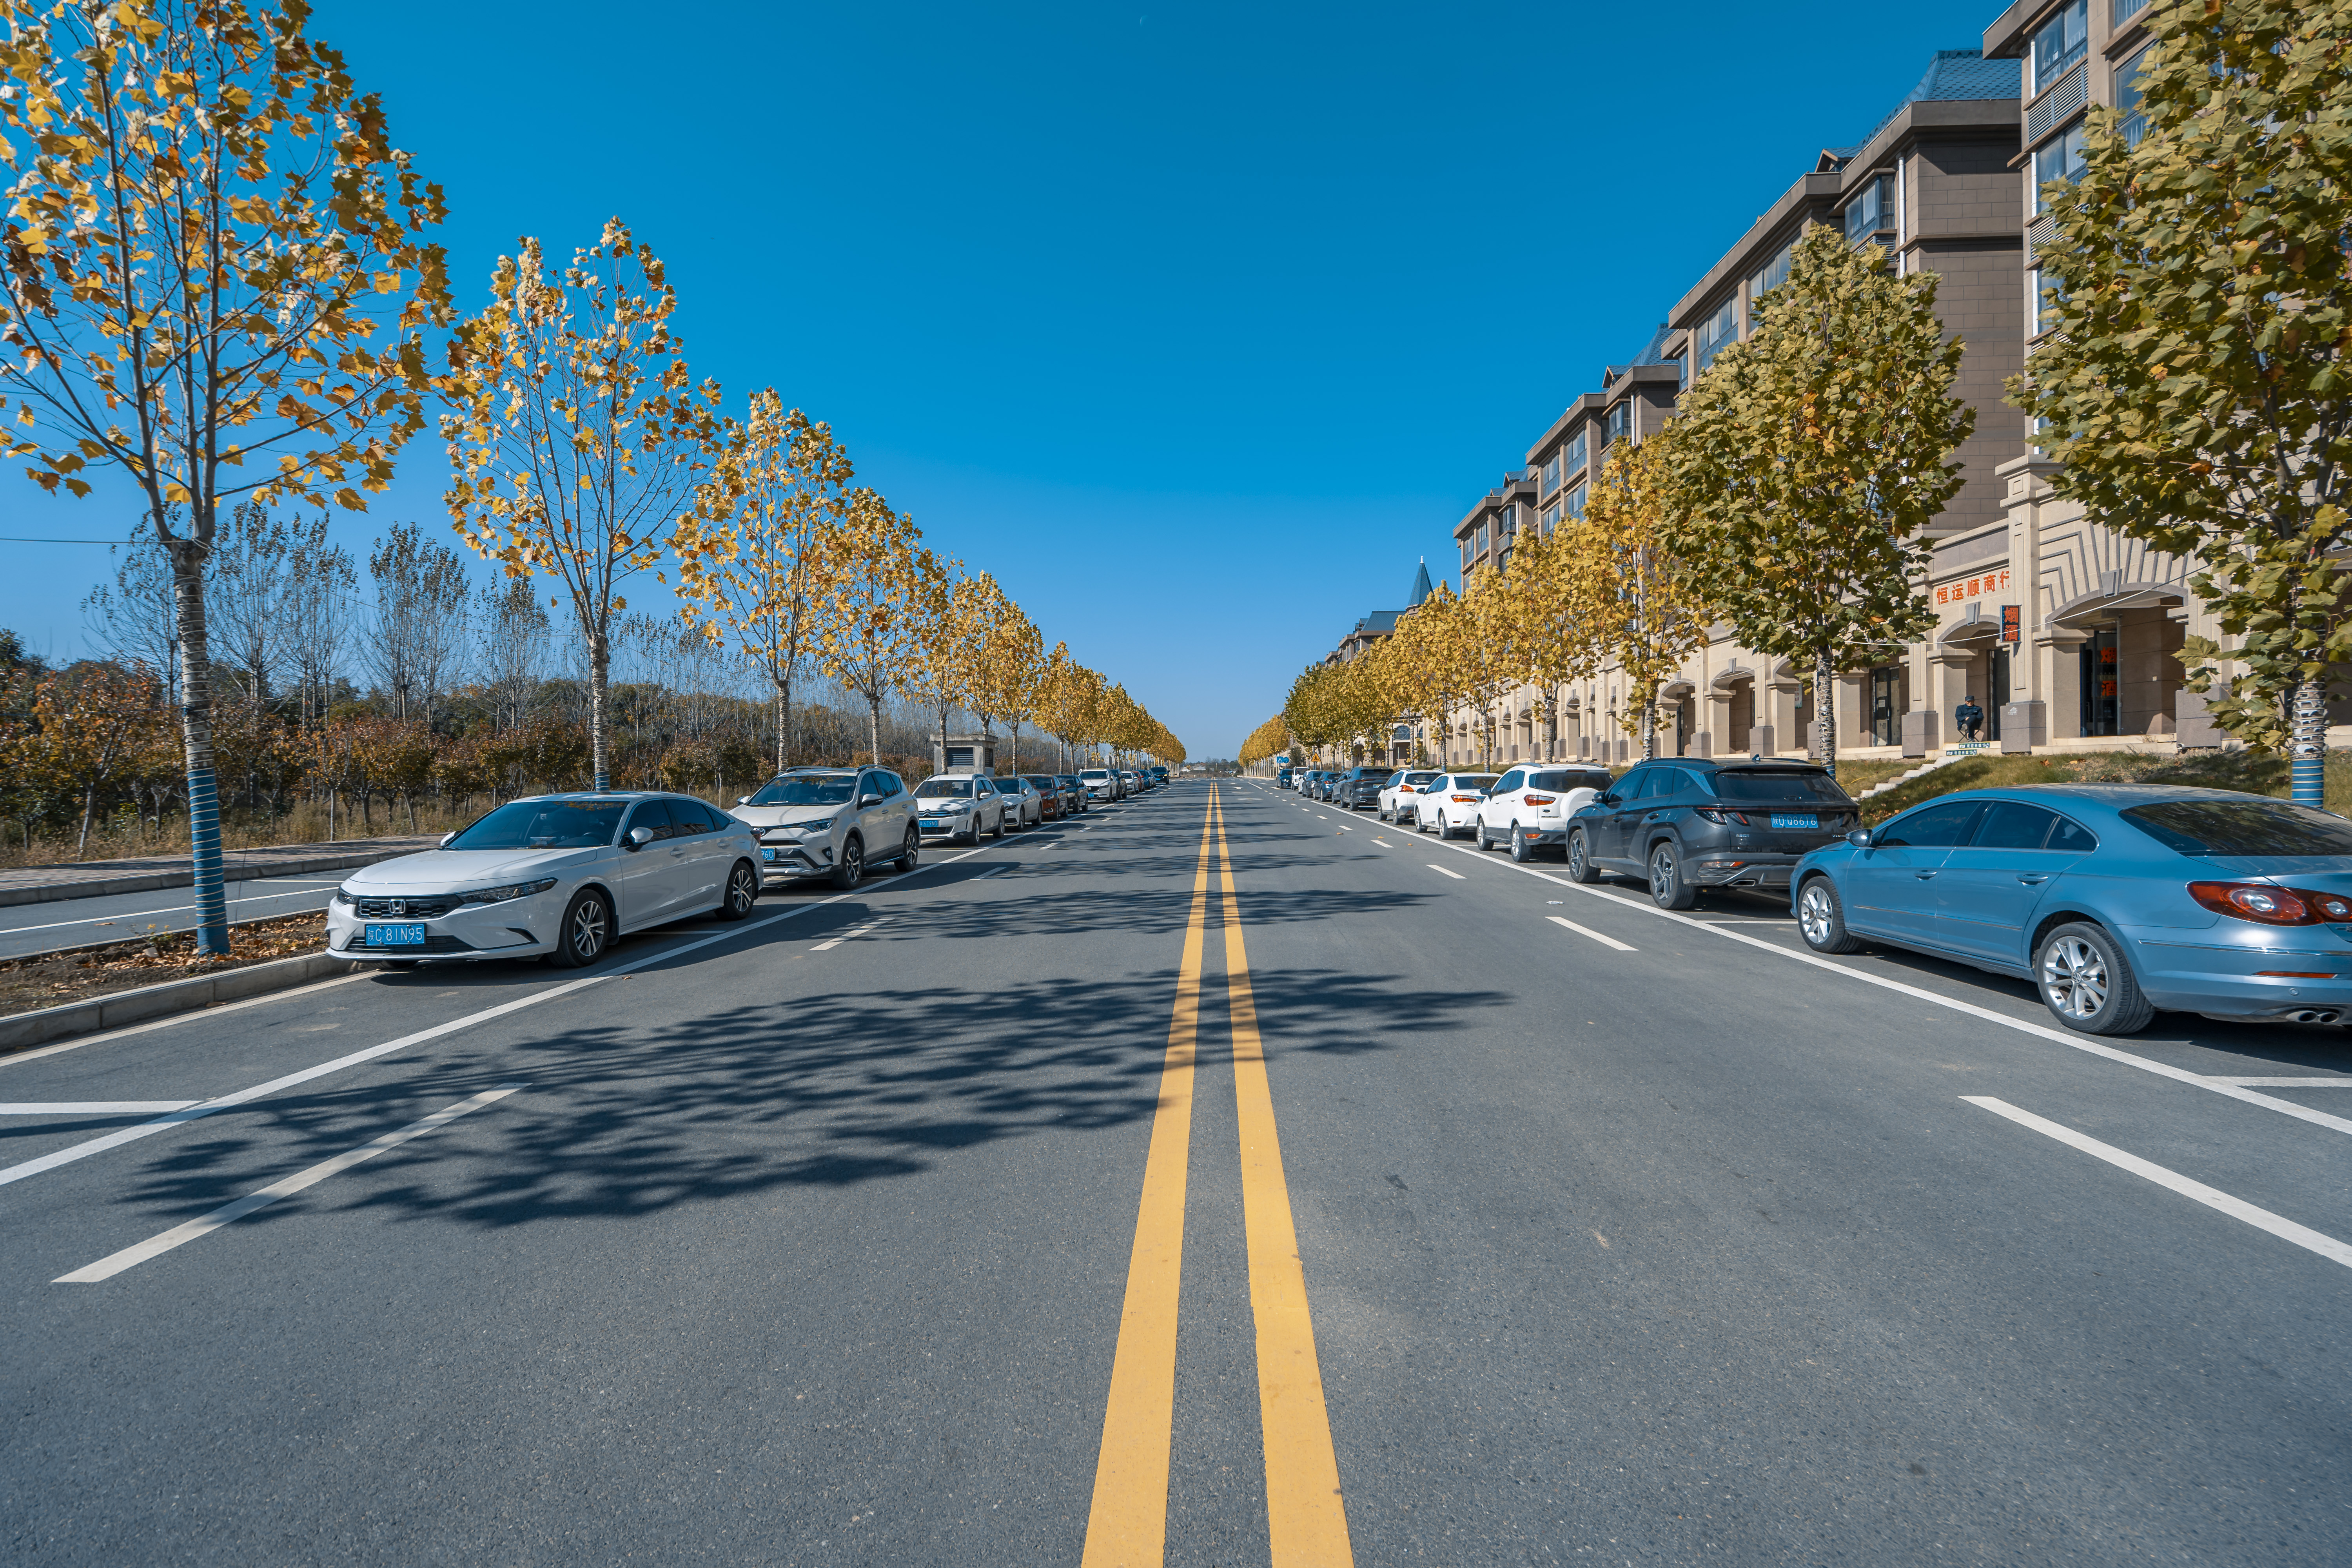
(1528, 808)
(1449, 802)
(1397, 795)
(962, 807)
(832, 822)
(1101, 783)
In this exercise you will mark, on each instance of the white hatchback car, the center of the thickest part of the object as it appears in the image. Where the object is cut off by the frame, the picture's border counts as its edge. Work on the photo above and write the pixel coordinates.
(558, 875)
(1449, 804)
(1528, 807)
(1397, 795)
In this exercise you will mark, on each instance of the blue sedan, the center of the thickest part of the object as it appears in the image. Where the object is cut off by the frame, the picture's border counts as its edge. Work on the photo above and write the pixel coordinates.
(2114, 900)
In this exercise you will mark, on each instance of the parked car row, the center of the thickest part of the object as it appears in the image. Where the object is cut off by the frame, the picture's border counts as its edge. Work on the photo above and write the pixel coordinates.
(561, 876)
(2115, 902)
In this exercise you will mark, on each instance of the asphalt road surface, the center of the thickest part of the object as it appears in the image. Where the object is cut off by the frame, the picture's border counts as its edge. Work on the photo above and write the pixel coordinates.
(1067, 1201)
(116, 917)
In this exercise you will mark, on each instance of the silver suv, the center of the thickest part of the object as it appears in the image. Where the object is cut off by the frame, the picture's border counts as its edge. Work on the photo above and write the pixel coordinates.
(833, 822)
(962, 806)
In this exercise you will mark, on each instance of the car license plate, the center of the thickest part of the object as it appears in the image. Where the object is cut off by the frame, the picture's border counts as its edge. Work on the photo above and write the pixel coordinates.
(1796, 820)
(933, 823)
(395, 936)
(768, 855)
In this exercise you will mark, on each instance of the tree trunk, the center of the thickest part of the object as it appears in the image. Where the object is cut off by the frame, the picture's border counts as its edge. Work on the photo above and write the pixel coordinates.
(196, 741)
(783, 718)
(2306, 748)
(1826, 712)
(88, 803)
(600, 665)
(873, 729)
(1650, 724)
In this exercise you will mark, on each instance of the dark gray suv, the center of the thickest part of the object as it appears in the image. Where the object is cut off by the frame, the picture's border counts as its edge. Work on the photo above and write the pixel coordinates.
(1358, 789)
(1688, 823)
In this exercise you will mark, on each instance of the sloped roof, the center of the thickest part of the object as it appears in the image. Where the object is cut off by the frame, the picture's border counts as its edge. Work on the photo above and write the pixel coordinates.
(1654, 351)
(1421, 589)
(1953, 74)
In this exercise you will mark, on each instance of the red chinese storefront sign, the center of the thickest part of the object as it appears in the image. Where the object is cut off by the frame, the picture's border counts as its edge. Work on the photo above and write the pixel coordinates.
(1972, 587)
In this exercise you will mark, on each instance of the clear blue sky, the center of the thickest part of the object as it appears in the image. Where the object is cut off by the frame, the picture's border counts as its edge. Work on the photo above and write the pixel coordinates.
(1197, 326)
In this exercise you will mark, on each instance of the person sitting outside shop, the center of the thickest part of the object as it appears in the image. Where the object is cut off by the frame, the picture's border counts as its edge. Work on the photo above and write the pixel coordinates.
(1968, 719)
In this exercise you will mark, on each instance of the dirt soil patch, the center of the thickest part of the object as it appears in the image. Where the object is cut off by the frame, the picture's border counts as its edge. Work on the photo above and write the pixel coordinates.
(52, 980)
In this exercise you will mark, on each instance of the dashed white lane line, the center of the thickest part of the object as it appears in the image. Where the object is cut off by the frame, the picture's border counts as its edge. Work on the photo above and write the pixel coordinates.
(2286, 1229)
(855, 931)
(1444, 872)
(1588, 931)
(2056, 1037)
(229, 1214)
(1383, 843)
(121, 1136)
(90, 1106)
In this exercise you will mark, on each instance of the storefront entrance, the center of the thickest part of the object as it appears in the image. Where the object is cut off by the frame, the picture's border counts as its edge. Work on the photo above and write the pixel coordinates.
(2101, 703)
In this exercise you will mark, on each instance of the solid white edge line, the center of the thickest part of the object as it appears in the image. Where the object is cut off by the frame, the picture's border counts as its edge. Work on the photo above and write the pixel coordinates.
(2286, 1229)
(2288, 1082)
(229, 1214)
(115, 1140)
(90, 1106)
(1588, 931)
(2057, 1036)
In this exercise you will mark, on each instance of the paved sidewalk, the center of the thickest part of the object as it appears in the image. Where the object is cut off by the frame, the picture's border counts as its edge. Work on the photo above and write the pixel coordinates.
(95, 878)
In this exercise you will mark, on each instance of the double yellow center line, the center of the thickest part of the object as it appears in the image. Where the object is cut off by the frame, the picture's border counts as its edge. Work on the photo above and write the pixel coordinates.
(1307, 1521)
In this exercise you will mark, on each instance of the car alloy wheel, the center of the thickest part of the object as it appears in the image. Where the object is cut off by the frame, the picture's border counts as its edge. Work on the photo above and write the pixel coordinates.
(743, 892)
(1580, 865)
(1821, 919)
(1668, 888)
(2089, 983)
(850, 870)
(2075, 978)
(1523, 843)
(586, 929)
(911, 855)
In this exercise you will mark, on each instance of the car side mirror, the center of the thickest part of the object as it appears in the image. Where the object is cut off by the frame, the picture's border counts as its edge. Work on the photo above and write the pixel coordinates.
(1606, 799)
(446, 836)
(639, 837)
(742, 800)
(1859, 838)
(869, 800)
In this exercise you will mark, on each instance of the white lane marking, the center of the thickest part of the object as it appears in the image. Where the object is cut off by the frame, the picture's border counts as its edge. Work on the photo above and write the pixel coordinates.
(860, 931)
(1344, 828)
(1444, 872)
(229, 1214)
(2286, 1082)
(2057, 1036)
(83, 1151)
(1383, 843)
(90, 1107)
(212, 1012)
(2286, 1229)
(1588, 931)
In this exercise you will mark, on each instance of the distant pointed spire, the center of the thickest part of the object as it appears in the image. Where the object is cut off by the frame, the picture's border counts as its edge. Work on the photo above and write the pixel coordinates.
(1421, 589)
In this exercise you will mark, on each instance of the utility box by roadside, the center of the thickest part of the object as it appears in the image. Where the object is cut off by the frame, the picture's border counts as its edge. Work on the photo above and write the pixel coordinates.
(2024, 725)
(965, 755)
(1919, 731)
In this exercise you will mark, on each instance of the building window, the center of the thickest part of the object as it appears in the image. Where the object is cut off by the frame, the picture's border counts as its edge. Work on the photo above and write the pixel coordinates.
(1717, 331)
(1773, 273)
(1575, 456)
(1551, 517)
(1681, 361)
(1551, 474)
(1621, 420)
(1574, 505)
(2042, 296)
(1506, 521)
(1873, 212)
(2059, 43)
(2060, 158)
(2134, 122)
(2125, 10)
(1469, 550)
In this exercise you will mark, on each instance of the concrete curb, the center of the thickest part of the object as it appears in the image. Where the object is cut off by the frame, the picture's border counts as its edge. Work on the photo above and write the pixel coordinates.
(38, 1028)
(148, 881)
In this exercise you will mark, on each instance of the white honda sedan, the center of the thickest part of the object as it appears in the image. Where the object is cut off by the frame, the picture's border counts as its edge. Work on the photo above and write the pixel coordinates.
(1449, 804)
(1528, 808)
(558, 875)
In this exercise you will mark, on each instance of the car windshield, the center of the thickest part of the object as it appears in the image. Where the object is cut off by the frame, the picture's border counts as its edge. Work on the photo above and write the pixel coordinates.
(544, 825)
(1475, 781)
(1094, 773)
(1790, 785)
(829, 790)
(2241, 827)
(1042, 781)
(943, 789)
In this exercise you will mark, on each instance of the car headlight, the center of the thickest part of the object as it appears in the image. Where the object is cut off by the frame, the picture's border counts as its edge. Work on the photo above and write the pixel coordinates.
(511, 891)
(824, 827)
(343, 897)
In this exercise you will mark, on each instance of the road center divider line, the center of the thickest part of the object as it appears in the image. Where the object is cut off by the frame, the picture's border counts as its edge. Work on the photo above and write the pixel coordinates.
(1306, 1516)
(2056, 1037)
(1127, 1525)
(2286, 1229)
(83, 1151)
(286, 1188)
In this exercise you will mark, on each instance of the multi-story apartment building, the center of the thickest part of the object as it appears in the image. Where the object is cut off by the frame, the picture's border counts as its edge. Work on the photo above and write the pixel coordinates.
(1933, 184)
